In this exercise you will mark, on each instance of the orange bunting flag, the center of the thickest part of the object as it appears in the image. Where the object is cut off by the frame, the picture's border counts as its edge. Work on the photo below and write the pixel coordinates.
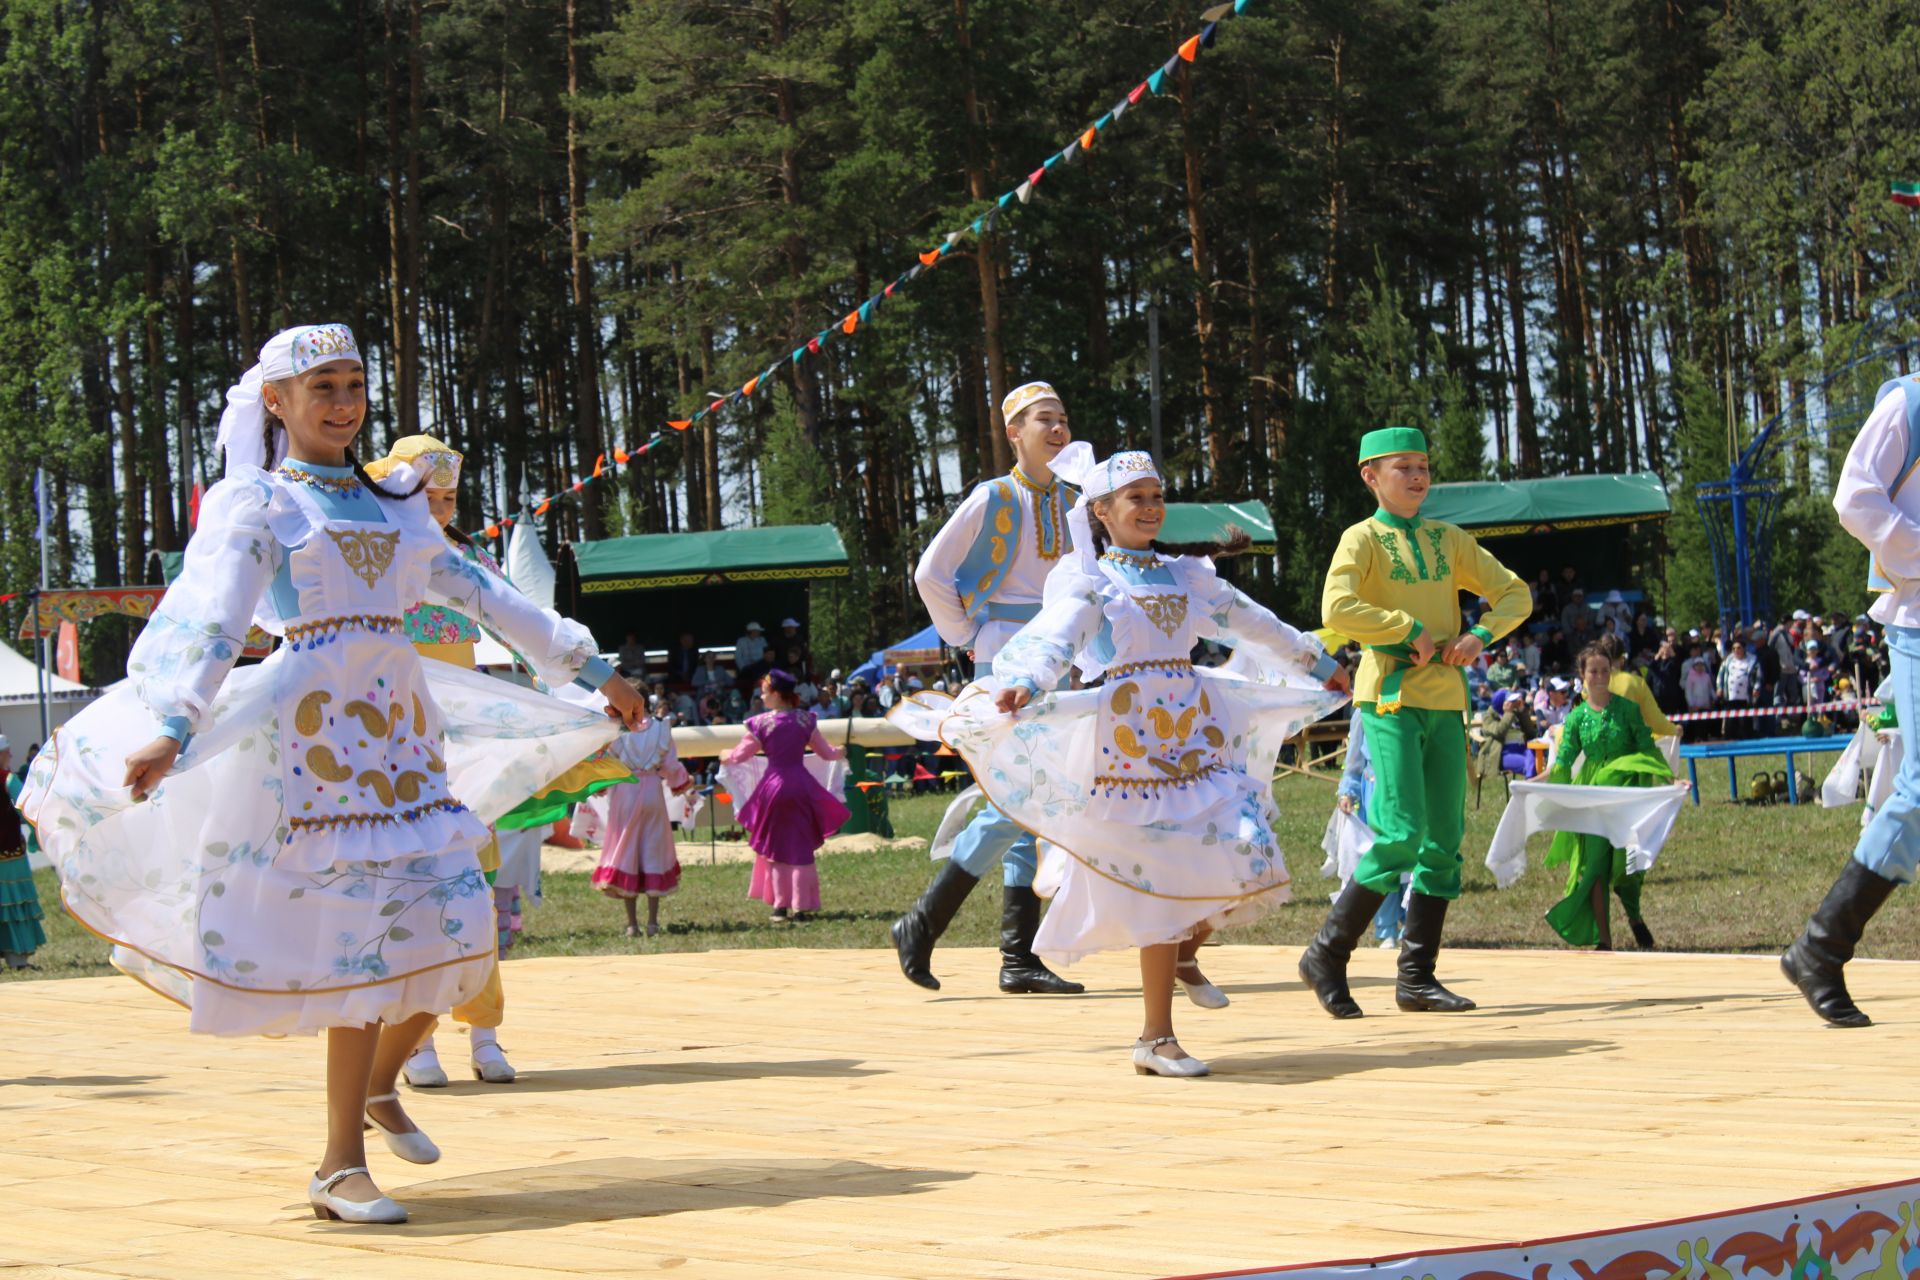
(1086, 140)
(542, 508)
(578, 485)
(493, 531)
(599, 466)
(680, 424)
(1190, 48)
(749, 388)
(930, 257)
(620, 457)
(852, 321)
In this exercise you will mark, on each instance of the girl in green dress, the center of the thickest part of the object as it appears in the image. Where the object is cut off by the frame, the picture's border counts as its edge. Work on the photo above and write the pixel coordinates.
(1609, 731)
(20, 931)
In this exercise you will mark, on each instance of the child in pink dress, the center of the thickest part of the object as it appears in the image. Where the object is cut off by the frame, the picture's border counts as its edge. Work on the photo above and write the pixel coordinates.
(789, 815)
(638, 857)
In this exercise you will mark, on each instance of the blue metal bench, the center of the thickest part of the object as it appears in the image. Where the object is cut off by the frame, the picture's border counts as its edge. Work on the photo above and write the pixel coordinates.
(1694, 752)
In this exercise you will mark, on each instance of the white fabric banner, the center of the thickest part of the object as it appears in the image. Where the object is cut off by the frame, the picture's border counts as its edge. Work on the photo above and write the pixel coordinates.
(1842, 783)
(1637, 819)
(954, 821)
(1345, 842)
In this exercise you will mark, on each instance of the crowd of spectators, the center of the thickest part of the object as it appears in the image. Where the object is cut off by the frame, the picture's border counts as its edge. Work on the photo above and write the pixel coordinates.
(1800, 660)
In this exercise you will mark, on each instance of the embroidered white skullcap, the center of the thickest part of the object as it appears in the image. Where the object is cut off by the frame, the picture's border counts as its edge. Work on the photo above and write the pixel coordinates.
(288, 354)
(1020, 397)
(1075, 464)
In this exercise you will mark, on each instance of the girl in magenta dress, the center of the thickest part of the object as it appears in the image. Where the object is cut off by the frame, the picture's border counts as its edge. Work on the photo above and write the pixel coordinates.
(789, 815)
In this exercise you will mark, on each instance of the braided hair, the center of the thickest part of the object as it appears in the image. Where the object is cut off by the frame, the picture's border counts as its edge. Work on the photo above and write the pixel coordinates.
(359, 471)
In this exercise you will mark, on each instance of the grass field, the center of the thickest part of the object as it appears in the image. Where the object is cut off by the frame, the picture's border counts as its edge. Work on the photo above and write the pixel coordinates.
(1733, 878)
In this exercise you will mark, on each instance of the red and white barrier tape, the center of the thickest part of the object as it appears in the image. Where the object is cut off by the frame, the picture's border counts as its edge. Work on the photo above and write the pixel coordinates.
(1736, 713)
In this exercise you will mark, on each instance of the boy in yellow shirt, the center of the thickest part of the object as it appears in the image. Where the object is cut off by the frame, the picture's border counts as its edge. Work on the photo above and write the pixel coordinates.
(1394, 586)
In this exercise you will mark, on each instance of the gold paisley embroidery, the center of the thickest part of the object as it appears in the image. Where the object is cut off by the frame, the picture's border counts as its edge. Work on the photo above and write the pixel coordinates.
(367, 553)
(307, 718)
(1162, 721)
(375, 781)
(1123, 737)
(325, 765)
(407, 785)
(419, 718)
(369, 716)
(1122, 699)
(1165, 612)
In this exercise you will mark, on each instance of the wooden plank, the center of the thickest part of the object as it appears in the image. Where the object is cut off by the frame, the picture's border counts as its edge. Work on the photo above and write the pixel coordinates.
(810, 1112)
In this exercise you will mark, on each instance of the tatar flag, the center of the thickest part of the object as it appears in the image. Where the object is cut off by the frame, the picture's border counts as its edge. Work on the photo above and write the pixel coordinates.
(1907, 193)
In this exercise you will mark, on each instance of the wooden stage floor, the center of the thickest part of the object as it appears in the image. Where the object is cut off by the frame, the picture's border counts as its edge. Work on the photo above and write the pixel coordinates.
(808, 1113)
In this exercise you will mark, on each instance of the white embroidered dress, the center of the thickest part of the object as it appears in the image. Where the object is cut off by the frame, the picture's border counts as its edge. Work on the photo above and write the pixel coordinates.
(309, 862)
(1153, 793)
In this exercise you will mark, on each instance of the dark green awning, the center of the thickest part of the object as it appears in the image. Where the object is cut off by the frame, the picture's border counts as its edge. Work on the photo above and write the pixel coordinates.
(785, 553)
(1495, 509)
(1208, 521)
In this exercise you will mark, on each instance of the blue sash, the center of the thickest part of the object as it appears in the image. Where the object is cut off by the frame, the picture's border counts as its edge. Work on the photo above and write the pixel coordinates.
(985, 567)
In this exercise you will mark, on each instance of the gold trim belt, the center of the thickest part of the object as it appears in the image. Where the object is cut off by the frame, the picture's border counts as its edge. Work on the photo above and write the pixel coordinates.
(321, 631)
(1166, 666)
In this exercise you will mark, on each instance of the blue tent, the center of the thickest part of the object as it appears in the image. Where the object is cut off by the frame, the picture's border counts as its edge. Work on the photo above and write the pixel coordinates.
(875, 666)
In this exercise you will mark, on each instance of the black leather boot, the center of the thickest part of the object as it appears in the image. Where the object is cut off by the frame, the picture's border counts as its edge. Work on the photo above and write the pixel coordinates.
(1418, 991)
(1021, 972)
(1323, 965)
(1815, 961)
(915, 932)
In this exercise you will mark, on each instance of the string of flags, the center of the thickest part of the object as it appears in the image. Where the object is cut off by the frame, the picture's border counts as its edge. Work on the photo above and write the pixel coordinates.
(604, 465)
(1083, 141)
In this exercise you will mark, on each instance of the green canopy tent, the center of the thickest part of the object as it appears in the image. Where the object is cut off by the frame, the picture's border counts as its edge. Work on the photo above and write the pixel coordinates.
(659, 585)
(1209, 521)
(1599, 524)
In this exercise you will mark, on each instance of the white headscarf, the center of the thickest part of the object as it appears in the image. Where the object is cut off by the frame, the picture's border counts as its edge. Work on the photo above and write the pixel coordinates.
(288, 354)
(1094, 480)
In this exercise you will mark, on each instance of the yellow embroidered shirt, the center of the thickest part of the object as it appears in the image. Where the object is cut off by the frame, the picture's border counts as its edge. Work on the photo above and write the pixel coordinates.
(1392, 580)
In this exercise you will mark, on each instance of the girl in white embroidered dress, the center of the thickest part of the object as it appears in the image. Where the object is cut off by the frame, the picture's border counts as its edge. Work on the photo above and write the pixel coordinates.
(310, 863)
(1152, 793)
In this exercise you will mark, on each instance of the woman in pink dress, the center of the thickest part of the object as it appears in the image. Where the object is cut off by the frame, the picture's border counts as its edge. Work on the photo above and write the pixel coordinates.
(789, 815)
(638, 857)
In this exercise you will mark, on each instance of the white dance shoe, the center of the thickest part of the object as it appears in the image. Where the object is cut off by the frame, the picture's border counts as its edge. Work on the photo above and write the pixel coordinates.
(330, 1207)
(423, 1069)
(1148, 1063)
(412, 1146)
(490, 1065)
(1202, 993)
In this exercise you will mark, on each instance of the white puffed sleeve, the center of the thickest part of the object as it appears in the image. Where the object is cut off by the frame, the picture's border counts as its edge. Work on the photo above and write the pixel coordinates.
(939, 568)
(1040, 652)
(1225, 613)
(555, 647)
(200, 627)
(1864, 498)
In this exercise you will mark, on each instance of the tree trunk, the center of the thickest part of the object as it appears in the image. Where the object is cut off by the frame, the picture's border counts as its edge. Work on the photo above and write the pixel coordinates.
(586, 336)
(987, 258)
(1220, 461)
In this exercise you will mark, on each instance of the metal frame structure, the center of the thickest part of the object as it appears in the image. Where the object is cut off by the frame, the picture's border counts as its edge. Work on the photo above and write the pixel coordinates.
(1740, 512)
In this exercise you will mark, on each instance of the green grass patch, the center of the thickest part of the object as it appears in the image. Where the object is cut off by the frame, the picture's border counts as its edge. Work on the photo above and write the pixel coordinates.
(1734, 878)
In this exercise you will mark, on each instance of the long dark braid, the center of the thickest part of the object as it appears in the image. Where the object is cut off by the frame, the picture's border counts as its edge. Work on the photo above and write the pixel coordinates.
(360, 472)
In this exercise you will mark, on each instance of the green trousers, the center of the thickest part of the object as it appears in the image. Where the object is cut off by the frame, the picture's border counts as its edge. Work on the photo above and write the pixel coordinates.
(1418, 810)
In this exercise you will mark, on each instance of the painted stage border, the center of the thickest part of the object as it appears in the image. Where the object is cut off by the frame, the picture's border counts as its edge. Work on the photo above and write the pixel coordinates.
(1868, 1233)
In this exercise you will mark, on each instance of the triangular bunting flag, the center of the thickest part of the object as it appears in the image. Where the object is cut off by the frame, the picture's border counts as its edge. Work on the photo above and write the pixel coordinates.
(866, 309)
(930, 257)
(680, 424)
(1120, 107)
(888, 291)
(578, 485)
(1024, 191)
(599, 466)
(752, 384)
(976, 226)
(917, 272)
(621, 456)
(542, 508)
(1033, 179)
(1139, 91)
(1056, 157)
(1007, 199)
(992, 218)
(1240, 6)
(1219, 11)
(1206, 37)
(851, 323)
(951, 237)
(1086, 139)
(1068, 152)
(813, 345)
(1103, 122)
(1155, 80)
(797, 353)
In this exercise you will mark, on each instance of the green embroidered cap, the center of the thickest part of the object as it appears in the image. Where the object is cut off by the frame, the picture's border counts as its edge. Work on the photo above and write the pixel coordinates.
(1385, 440)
